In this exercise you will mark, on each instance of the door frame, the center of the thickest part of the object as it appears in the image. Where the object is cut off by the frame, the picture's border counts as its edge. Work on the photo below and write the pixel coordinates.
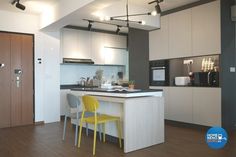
(33, 35)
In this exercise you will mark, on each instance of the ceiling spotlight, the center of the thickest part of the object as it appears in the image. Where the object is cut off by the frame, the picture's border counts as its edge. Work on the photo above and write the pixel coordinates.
(107, 18)
(90, 25)
(18, 5)
(118, 29)
(154, 13)
(142, 22)
(157, 7)
(101, 18)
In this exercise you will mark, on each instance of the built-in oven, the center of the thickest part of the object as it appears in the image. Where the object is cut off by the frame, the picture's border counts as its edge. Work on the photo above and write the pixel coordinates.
(159, 73)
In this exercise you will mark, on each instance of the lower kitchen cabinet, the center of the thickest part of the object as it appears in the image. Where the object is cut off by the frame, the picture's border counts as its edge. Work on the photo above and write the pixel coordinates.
(207, 106)
(180, 104)
(195, 105)
(166, 100)
(64, 107)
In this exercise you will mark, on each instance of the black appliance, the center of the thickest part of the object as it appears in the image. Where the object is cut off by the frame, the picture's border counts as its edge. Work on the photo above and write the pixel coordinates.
(159, 73)
(206, 79)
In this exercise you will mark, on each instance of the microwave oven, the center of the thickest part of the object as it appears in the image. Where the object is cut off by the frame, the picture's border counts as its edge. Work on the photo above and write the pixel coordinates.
(159, 73)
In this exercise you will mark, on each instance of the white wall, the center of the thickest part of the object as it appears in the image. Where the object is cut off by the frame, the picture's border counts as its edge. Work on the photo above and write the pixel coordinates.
(25, 23)
(60, 10)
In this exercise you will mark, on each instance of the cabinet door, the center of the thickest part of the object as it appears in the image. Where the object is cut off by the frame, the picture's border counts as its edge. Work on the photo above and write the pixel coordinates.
(159, 41)
(166, 99)
(180, 34)
(64, 106)
(207, 106)
(117, 41)
(75, 44)
(206, 29)
(115, 56)
(180, 104)
(98, 53)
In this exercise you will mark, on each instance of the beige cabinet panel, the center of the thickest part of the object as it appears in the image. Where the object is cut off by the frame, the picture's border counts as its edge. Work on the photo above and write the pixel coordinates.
(166, 99)
(97, 46)
(180, 34)
(206, 29)
(180, 104)
(207, 106)
(159, 41)
(75, 44)
(117, 41)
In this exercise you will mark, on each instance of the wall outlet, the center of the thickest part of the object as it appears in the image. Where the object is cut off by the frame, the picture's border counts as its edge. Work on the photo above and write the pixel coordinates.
(189, 61)
(232, 69)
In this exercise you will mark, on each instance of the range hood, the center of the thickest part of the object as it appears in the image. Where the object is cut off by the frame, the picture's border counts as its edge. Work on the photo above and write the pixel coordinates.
(78, 61)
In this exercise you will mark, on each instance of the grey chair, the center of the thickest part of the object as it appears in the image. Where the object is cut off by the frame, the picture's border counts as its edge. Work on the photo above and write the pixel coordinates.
(75, 115)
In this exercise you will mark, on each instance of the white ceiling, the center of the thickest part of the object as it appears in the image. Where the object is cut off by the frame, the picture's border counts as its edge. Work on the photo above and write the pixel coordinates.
(165, 5)
(32, 6)
(37, 6)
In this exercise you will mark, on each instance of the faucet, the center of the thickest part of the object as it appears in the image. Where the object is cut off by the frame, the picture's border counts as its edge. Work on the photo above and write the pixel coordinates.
(82, 81)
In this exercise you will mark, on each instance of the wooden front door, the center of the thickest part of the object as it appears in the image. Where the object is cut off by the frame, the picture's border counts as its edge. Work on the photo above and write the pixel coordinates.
(16, 80)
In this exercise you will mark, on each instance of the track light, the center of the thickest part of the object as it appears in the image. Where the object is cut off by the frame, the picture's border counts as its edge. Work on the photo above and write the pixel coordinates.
(154, 13)
(157, 7)
(118, 29)
(142, 22)
(90, 25)
(18, 5)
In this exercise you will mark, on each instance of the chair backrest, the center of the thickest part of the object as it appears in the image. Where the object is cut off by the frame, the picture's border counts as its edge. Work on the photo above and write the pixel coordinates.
(91, 104)
(73, 101)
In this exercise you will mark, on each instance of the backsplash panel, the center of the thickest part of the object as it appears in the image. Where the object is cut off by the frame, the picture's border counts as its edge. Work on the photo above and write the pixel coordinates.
(71, 74)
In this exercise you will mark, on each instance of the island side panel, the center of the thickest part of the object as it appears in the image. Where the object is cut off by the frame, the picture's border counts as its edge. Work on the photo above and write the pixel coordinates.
(143, 122)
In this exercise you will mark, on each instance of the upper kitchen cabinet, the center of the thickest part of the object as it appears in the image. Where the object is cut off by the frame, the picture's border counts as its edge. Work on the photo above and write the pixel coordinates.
(159, 41)
(206, 38)
(75, 44)
(115, 41)
(180, 34)
(102, 48)
(109, 49)
(97, 48)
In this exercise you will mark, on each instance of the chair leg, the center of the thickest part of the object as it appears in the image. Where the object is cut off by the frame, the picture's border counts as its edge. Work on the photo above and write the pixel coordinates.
(64, 129)
(100, 130)
(119, 131)
(104, 132)
(94, 138)
(76, 134)
(80, 132)
(87, 129)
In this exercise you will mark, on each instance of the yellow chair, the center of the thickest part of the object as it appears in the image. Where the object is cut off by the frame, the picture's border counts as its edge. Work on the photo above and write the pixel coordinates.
(90, 104)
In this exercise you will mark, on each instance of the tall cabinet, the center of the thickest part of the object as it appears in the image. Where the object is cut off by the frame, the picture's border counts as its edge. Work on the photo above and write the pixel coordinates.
(192, 32)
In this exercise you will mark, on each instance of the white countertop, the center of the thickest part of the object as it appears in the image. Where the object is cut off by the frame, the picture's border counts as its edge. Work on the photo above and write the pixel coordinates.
(121, 95)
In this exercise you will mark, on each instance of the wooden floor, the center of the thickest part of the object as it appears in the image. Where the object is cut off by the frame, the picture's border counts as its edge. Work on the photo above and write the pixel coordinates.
(45, 141)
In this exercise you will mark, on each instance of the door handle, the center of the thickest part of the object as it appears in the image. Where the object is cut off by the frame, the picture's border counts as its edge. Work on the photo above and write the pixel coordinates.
(17, 81)
(18, 73)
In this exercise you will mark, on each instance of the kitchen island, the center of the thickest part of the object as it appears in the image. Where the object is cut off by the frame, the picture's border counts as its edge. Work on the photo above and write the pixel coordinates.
(141, 112)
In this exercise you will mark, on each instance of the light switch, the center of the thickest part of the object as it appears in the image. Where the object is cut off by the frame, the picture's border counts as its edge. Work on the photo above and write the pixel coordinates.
(232, 69)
